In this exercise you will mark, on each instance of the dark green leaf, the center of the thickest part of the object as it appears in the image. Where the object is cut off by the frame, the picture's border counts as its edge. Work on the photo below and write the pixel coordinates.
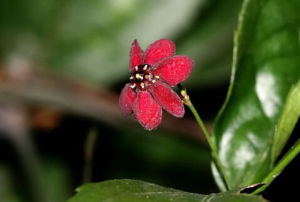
(287, 122)
(133, 190)
(266, 64)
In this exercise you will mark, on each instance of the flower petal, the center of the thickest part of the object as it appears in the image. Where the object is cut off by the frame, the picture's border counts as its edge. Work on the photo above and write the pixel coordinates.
(127, 99)
(136, 55)
(174, 70)
(158, 50)
(167, 98)
(147, 112)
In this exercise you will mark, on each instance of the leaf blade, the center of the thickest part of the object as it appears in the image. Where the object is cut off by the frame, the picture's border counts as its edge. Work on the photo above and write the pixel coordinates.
(133, 190)
(287, 122)
(265, 66)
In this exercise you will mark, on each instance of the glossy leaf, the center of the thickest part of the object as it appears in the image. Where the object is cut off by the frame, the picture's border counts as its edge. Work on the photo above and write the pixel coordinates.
(266, 64)
(280, 166)
(133, 190)
(287, 122)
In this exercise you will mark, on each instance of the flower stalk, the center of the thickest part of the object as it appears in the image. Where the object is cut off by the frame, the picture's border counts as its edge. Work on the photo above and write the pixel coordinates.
(281, 165)
(187, 101)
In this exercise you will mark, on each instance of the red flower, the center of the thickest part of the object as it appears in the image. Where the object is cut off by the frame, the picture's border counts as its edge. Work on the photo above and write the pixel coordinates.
(152, 72)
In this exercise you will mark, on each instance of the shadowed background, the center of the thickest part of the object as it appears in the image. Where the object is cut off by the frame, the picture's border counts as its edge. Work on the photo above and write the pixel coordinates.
(62, 66)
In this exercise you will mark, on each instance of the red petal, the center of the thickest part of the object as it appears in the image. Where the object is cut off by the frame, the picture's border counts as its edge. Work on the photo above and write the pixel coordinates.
(136, 54)
(126, 99)
(167, 98)
(147, 112)
(174, 70)
(158, 50)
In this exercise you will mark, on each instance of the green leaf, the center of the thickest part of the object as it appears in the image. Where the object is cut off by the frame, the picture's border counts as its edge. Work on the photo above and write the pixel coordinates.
(280, 166)
(287, 122)
(133, 190)
(91, 41)
(266, 64)
(284, 128)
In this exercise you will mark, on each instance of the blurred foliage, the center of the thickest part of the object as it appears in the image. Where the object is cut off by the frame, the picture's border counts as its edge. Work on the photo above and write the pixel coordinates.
(8, 193)
(89, 42)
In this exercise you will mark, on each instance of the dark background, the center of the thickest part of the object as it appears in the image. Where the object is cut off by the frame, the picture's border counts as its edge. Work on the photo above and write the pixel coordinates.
(62, 66)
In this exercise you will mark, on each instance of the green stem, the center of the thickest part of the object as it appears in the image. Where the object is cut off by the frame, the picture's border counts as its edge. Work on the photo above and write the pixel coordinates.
(88, 154)
(189, 104)
(286, 159)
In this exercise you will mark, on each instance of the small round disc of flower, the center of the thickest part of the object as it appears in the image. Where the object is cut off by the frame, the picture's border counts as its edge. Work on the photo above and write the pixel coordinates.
(141, 77)
(152, 74)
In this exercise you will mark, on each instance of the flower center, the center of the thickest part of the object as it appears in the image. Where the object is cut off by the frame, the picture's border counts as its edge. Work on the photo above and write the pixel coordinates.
(141, 77)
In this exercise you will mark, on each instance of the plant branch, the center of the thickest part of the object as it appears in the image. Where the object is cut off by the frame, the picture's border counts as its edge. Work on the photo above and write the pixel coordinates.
(187, 101)
(47, 90)
(286, 159)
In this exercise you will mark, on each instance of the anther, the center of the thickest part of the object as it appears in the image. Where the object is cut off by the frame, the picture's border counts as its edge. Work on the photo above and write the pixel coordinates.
(153, 81)
(136, 68)
(133, 85)
(145, 67)
(131, 78)
(138, 76)
(157, 77)
(142, 85)
(150, 77)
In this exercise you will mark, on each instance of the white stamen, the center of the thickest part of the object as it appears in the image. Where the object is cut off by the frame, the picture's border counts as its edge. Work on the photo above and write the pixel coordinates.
(133, 85)
(142, 85)
(145, 67)
(153, 81)
(136, 68)
(150, 77)
(157, 77)
(131, 78)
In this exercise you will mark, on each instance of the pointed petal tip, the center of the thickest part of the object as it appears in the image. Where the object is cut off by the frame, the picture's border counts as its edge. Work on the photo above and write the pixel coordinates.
(135, 42)
(136, 54)
(150, 128)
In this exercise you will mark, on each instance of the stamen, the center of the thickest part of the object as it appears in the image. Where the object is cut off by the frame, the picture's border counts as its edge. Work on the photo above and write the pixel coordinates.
(150, 77)
(138, 76)
(132, 85)
(141, 77)
(157, 77)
